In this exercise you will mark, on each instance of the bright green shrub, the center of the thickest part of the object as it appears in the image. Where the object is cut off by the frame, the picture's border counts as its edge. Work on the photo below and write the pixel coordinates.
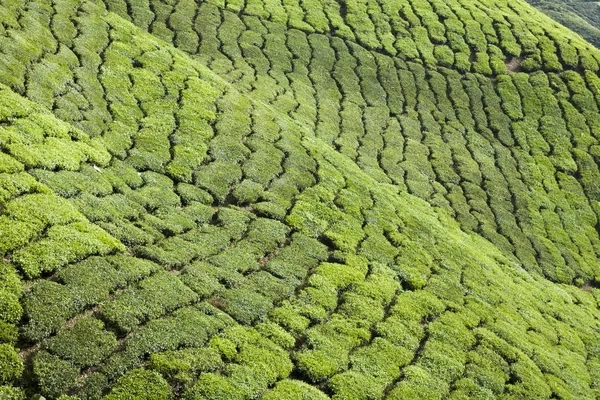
(9, 165)
(217, 178)
(294, 390)
(132, 269)
(64, 244)
(10, 308)
(319, 365)
(205, 279)
(11, 365)
(247, 191)
(42, 209)
(189, 193)
(182, 365)
(261, 355)
(380, 360)
(8, 333)
(11, 393)
(340, 275)
(249, 381)
(468, 389)
(267, 233)
(214, 387)
(174, 221)
(242, 258)
(418, 384)
(354, 385)
(481, 64)
(352, 319)
(156, 193)
(276, 334)
(15, 234)
(140, 384)
(69, 183)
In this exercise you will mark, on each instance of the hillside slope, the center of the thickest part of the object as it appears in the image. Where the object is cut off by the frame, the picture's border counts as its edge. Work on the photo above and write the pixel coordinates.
(198, 224)
(511, 154)
(582, 17)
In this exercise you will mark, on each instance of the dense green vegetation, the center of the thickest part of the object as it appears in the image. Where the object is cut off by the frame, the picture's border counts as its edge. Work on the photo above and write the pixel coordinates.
(581, 16)
(297, 200)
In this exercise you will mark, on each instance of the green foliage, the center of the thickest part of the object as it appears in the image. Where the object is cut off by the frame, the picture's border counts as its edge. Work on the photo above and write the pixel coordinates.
(53, 375)
(151, 298)
(85, 344)
(182, 365)
(245, 305)
(11, 393)
(11, 364)
(10, 308)
(140, 384)
(47, 307)
(578, 16)
(214, 387)
(294, 390)
(378, 198)
(64, 244)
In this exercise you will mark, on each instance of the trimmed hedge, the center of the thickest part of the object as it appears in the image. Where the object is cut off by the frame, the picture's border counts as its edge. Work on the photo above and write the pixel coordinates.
(140, 384)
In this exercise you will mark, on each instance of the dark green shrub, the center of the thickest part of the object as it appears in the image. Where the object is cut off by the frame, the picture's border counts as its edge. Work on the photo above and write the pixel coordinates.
(270, 286)
(246, 305)
(54, 375)
(91, 280)
(47, 307)
(151, 298)
(95, 385)
(85, 344)
(186, 327)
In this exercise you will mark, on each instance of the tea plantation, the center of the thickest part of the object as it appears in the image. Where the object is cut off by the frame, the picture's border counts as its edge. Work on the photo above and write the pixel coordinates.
(581, 16)
(303, 200)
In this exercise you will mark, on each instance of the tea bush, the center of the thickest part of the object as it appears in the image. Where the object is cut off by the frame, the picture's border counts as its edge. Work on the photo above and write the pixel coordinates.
(381, 199)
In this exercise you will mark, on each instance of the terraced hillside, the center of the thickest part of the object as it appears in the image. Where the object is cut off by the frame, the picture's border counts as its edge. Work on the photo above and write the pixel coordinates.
(297, 200)
(582, 17)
